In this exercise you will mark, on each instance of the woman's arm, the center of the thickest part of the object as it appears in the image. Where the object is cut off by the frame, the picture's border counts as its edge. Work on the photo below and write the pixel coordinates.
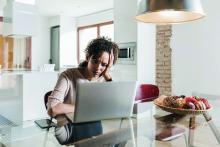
(56, 99)
(61, 108)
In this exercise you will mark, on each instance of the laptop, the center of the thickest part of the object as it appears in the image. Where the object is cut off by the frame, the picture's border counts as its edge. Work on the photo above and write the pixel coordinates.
(104, 100)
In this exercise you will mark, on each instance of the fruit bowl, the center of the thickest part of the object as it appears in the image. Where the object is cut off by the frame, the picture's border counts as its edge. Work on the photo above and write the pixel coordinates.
(181, 111)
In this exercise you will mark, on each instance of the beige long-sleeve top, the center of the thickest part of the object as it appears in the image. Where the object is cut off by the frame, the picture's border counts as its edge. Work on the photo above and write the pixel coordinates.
(65, 89)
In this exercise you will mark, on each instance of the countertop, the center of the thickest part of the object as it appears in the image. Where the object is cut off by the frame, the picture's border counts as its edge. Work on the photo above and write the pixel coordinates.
(21, 72)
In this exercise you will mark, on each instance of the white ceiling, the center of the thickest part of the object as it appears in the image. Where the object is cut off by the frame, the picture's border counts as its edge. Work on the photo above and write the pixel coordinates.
(73, 8)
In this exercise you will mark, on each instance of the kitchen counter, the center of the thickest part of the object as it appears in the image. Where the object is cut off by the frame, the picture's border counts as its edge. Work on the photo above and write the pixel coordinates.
(18, 72)
(22, 94)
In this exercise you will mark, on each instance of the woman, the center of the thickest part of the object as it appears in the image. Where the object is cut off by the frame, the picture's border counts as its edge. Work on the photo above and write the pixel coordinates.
(101, 54)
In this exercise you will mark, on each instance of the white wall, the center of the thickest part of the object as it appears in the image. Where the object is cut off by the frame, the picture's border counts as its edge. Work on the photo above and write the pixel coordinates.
(68, 37)
(2, 5)
(125, 30)
(95, 18)
(41, 43)
(146, 41)
(196, 53)
(54, 21)
(68, 41)
(124, 22)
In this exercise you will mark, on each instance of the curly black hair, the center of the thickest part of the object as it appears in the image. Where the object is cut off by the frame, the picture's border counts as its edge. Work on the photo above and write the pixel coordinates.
(100, 45)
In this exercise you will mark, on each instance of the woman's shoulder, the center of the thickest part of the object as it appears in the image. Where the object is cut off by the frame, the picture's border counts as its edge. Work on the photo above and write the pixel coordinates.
(72, 73)
(71, 70)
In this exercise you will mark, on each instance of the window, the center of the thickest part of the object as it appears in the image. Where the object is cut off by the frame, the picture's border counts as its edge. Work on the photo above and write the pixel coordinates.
(87, 33)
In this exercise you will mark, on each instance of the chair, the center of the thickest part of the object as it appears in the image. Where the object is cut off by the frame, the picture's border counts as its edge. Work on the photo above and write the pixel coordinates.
(147, 93)
(46, 96)
(46, 123)
(144, 93)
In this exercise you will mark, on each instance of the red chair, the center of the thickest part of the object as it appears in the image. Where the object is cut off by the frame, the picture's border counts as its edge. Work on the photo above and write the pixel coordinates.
(146, 93)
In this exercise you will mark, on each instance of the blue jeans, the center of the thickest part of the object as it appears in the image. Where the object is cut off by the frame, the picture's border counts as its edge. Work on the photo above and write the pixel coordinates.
(73, 132)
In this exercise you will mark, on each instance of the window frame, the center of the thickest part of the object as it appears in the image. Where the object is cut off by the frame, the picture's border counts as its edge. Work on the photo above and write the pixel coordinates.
(86, 27)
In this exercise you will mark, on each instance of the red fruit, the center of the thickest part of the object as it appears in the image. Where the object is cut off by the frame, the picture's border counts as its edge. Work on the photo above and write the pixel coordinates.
(190, 105)
(190, 99)
(198, 106)
(205, 101)
(202, 105)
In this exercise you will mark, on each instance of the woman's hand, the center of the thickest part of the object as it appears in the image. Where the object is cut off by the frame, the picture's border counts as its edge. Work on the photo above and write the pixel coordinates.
(106, 74)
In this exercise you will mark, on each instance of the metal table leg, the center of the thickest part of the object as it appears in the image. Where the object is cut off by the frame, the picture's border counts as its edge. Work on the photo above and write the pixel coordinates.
(133, 132)
(191, 131)
(214, 129)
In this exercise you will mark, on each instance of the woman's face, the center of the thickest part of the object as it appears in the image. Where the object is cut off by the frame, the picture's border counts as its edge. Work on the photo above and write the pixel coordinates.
(96, 65)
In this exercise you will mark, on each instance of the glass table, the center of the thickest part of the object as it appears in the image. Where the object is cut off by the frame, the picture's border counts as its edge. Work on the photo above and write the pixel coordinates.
(141, 130)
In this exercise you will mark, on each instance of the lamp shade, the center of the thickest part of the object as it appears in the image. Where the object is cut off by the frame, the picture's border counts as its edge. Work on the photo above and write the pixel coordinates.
(169, 11)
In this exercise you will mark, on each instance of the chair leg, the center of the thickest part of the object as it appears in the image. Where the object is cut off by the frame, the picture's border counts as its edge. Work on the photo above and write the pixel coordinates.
(191, 131)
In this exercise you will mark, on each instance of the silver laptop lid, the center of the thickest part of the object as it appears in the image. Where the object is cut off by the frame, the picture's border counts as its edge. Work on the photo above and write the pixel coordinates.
(105, 100)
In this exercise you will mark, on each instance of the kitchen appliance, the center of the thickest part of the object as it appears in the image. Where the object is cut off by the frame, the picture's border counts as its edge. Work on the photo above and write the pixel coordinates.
(127, 53)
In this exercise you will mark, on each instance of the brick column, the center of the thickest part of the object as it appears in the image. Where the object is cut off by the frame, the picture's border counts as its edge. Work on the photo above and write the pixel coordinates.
(163, 59)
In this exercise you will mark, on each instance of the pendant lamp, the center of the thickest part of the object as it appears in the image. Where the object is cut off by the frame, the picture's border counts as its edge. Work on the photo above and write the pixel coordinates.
(169, 11)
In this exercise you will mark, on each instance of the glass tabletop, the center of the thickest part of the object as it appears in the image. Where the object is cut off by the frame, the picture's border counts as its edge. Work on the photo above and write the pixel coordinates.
(153, 127)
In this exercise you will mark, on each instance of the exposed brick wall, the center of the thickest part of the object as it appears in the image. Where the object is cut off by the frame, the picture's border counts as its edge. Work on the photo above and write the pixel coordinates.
(163, 59)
